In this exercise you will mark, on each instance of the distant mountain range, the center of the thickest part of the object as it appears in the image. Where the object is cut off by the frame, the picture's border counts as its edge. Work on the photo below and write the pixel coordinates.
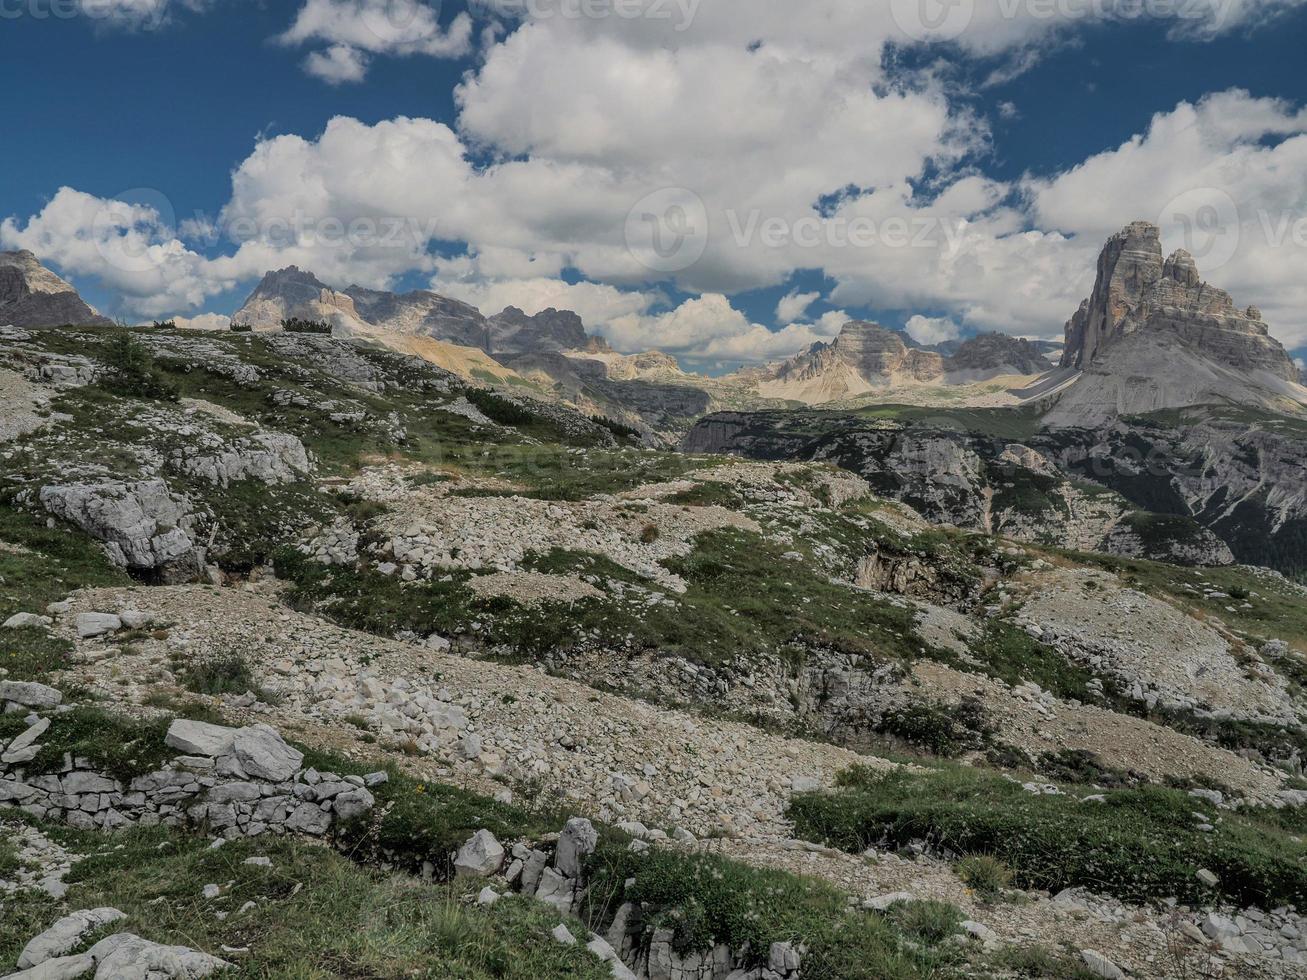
(1152, 336)
(353, 311)
(868, 359)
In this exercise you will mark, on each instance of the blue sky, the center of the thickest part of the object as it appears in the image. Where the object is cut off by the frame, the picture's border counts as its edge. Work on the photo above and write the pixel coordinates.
(1012, 132)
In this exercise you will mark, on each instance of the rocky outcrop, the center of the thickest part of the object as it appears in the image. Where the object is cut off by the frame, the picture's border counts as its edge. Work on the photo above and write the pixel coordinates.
(1242, 477)
(121, 956)
(33, 296)
(513, 332)
(1154, 336)
(973, 481)
(268, 457)
(144, 526)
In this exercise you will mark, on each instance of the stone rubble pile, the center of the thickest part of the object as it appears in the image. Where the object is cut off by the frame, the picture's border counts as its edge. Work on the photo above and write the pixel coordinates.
(633, 945)
(1280, 934)
(237, 782)
(42, 864)
(336, 544)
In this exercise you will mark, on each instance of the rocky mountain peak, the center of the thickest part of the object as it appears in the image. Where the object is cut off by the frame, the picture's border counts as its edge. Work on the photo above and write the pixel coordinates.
(865, 356)
(1154, 336)
(33, 296)
(512, 331)
(997, 353)
(1130, 262)
(294, 292)
(1136, 290)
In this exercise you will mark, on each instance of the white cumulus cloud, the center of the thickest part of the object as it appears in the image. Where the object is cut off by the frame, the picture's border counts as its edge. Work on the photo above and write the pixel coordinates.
(932, 330)
(337, 64)
(793, 306)
(352, 29)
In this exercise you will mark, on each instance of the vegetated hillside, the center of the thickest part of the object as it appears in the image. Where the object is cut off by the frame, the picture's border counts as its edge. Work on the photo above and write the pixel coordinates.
(814, 734)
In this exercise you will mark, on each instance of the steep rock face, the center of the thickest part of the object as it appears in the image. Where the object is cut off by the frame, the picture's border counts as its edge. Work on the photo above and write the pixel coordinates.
(33, 296)
(424, 313)
(1242, 476)
(994, 354)
(513, 332)
(1155, 336)
(971, 481)
(294, 292)
(1130, 262)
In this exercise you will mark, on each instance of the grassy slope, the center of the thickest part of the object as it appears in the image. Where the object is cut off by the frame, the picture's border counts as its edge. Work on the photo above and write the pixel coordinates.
(347, 913)
(42, 565)
(316, 914)
(1138, 844)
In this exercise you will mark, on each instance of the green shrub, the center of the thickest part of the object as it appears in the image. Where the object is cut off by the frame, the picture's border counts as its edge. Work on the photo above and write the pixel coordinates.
(984, 874)
(1083, 766)
(929, 922)
(1038, 962)
(618, 429)
(227, 673)
(129, 370)
(1137, 844)
(49, 562)
(706, 899)
(241, 328)
(318, 913)
(941, 729)
(499, 409)
(114, 743)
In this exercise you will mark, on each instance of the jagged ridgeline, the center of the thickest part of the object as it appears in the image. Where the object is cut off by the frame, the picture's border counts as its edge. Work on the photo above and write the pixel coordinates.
(471, 683)
(1173, 429)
